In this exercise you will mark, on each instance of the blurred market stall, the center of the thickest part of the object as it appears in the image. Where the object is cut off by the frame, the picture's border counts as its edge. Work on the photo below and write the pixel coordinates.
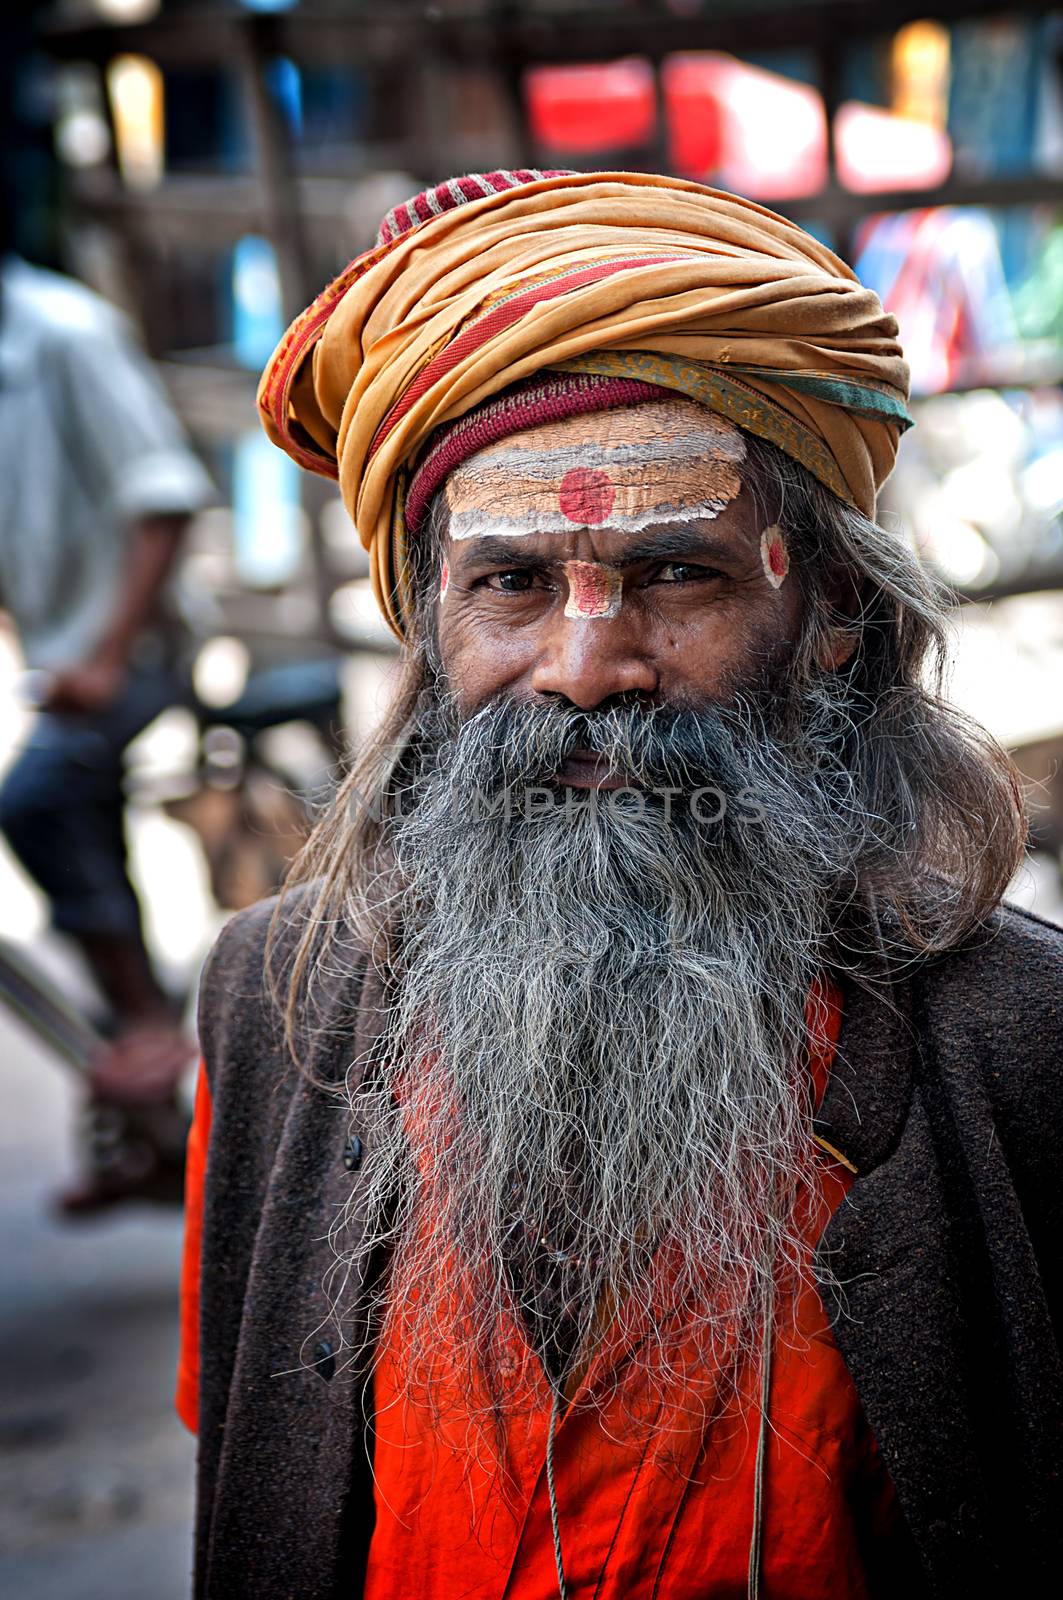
(223, 160)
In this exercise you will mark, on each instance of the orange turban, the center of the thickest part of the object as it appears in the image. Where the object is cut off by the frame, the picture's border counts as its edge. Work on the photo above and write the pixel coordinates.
(488, 279)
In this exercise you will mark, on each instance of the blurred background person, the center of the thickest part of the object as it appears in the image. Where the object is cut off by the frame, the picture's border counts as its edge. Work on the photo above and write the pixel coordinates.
(99, 485)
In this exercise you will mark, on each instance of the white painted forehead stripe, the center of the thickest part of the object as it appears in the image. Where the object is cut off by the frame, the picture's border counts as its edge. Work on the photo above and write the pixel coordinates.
(555, 461)
(473, 524)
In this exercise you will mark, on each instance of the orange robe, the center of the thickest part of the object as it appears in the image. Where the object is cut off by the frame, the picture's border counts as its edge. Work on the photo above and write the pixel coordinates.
(668, 1517)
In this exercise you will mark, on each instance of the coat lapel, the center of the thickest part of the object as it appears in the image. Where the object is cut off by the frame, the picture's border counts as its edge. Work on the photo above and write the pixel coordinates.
(295, 1379)
(889, 1267)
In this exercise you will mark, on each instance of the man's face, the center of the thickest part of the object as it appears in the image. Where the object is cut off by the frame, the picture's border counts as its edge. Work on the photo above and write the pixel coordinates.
(617, 553)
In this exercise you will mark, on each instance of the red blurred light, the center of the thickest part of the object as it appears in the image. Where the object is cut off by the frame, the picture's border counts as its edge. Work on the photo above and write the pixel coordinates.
(584, 109)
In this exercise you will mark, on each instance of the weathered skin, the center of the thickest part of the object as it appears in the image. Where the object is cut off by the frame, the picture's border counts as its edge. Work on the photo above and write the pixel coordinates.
(700, 610)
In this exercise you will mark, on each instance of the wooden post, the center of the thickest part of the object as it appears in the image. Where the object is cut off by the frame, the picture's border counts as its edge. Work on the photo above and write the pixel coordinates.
(283, 225)
(829, 62)
(281, 217)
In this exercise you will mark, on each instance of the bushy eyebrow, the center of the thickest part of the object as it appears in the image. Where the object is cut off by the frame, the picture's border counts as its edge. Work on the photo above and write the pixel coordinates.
(500, 550)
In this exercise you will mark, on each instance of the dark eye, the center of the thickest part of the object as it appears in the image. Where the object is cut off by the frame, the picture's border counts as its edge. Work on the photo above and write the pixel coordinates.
(514, 581)
(683, 572)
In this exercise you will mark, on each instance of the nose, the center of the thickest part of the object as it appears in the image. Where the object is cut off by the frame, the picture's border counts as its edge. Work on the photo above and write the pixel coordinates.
(589, 660)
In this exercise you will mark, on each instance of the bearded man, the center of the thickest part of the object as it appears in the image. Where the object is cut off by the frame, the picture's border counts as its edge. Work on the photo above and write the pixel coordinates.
(631, 1158)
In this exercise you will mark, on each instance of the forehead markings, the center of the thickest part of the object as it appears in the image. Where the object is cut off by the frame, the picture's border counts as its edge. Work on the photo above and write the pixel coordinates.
(586, 496)
(561, 474)
(444, 580)
(594, 590)
(774, 556)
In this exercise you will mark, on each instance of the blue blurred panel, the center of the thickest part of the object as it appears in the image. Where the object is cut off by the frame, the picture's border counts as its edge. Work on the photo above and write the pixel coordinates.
(257, 318)
(335, 105)
(267, 538)
(994, 93)
(284, 82)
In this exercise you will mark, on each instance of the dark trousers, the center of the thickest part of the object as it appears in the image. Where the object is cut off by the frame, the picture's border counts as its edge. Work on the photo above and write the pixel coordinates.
(61, 805)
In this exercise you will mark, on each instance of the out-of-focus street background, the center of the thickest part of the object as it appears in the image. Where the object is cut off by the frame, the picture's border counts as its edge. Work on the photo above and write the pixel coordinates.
(96, 1483)
(206, 168)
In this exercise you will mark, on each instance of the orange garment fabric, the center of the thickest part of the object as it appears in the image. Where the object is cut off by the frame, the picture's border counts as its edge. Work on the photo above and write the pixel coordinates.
(187, 1396)
(637, 1520)
(622, 273)
(635, 1523)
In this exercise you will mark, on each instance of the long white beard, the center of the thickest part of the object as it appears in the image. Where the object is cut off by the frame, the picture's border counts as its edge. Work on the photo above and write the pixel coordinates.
(595, 1090)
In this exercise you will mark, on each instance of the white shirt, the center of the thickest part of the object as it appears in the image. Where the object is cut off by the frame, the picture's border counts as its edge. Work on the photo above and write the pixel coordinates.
(89, 443)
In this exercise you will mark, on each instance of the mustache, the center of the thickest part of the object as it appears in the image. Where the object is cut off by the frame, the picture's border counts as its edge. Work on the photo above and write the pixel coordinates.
(510, 743)
(711, 769)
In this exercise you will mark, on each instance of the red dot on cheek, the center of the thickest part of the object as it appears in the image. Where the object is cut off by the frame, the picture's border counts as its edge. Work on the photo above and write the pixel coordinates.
(586, 496)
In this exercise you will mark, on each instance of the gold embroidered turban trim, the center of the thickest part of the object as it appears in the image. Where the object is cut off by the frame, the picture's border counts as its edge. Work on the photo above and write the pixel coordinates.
(491, 278)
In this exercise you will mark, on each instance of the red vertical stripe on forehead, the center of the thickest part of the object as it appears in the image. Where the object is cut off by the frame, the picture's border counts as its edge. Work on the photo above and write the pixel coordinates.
(594, 590)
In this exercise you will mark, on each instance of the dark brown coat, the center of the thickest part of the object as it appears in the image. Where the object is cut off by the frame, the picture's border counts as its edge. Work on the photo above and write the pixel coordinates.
(947, 1095)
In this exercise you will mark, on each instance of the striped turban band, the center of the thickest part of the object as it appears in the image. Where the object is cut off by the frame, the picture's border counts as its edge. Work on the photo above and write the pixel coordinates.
(490, 279)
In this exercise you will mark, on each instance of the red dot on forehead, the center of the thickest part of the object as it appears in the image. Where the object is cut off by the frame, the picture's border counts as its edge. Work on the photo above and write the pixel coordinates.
(586, 496)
